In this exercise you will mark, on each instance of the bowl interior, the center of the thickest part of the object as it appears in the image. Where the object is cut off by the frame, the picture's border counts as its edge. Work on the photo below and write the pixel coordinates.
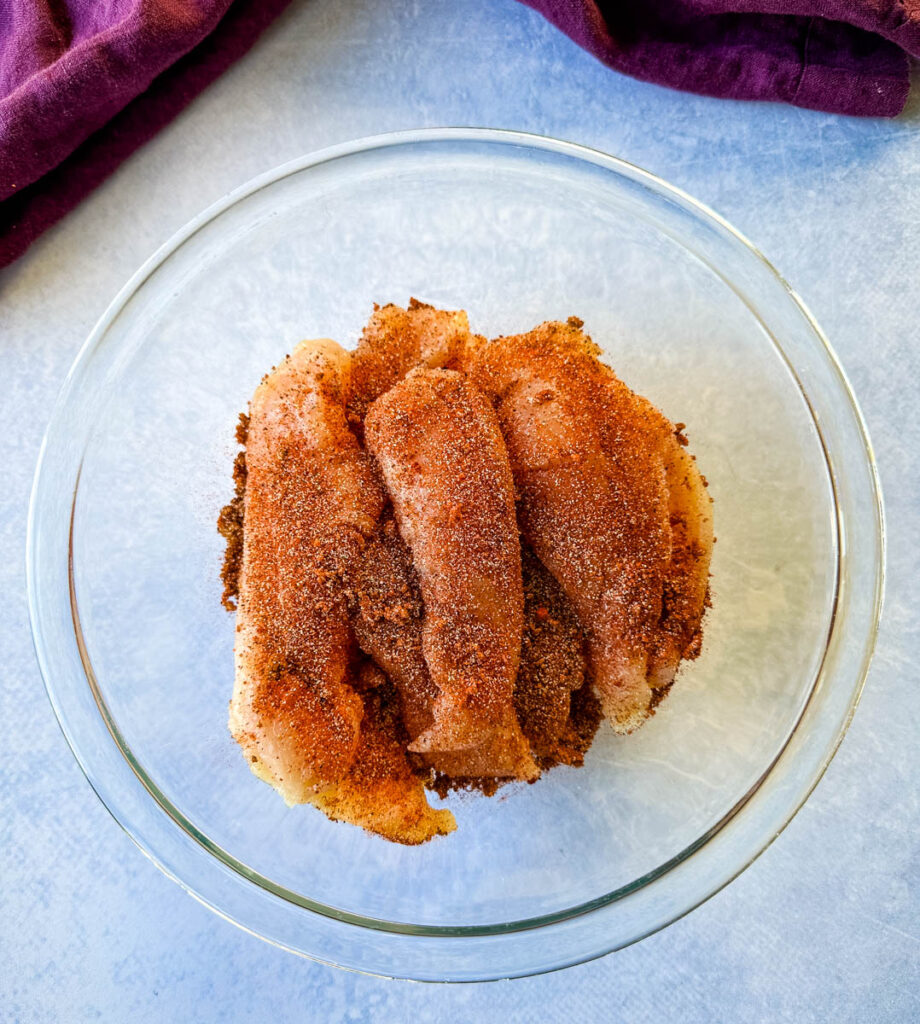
(514, 239)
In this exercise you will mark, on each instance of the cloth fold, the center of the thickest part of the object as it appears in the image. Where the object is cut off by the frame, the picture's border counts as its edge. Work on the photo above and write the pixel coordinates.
(841, 56)
(83, 83)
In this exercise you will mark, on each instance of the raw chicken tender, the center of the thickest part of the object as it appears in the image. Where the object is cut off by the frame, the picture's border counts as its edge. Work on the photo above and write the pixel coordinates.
(593, 463)
(312, 499)
(439, 447)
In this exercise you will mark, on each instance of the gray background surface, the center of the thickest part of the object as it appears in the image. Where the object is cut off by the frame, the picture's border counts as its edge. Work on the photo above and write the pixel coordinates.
(824, 925)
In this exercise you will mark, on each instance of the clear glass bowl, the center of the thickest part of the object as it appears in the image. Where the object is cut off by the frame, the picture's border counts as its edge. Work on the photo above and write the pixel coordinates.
(123, 553)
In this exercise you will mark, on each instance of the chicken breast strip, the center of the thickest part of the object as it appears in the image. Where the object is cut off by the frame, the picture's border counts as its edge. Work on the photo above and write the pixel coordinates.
(686, 584)
(311, 496)
(311, 500)
(438, 445)
(386, 600)
(588, 460)
(397, 340)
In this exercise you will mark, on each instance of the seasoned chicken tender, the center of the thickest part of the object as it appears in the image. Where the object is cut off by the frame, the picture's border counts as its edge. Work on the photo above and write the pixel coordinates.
(438, 445)
(686, 584)
(587, 459)
(397, 340)
(311, 497)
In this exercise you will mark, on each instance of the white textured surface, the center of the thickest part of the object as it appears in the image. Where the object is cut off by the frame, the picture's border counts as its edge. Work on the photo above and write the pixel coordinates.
(823, 926)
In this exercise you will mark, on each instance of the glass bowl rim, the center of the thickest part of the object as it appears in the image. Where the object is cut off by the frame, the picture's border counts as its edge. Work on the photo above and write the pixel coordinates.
(429, 932)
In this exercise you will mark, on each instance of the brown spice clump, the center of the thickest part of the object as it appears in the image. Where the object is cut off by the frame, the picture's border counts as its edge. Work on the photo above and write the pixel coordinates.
(553, 667)
(230, 523)
(443, 785)
(386, 613)
(552, 657)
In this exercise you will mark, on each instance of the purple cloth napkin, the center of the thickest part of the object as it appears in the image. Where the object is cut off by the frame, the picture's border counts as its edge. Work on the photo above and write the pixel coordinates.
(83, 83)
(843, 56)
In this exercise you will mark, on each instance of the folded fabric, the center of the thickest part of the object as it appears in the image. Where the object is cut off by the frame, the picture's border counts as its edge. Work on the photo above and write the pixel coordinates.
(83, 83)
(842, 56)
